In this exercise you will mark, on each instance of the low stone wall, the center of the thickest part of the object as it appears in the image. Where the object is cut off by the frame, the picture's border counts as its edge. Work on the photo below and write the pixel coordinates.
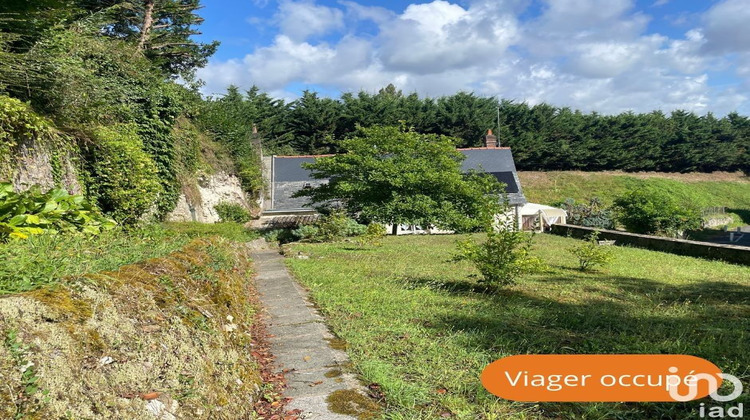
(729, 253)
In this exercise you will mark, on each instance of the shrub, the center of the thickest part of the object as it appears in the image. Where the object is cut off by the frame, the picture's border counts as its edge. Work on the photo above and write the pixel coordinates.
(374, 233)
(306, 232)
(502, 258)
(337, 225)
(232, 212)
(32, 212)
(281, 236)
(354, 228)
(590, 254)
(653, 211)
(124, 178)
(593, 214)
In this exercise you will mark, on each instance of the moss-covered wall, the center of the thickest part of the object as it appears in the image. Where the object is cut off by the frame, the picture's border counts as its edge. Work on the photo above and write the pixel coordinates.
(170, 334)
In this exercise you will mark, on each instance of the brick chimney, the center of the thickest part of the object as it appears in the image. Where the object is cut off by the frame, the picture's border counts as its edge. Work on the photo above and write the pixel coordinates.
(490, 140)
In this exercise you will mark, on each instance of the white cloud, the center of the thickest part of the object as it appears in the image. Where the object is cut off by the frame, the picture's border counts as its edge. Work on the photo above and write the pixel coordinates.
(437, 37)
(726, 27)
(593, 55)
(302, 19)
(376, 14)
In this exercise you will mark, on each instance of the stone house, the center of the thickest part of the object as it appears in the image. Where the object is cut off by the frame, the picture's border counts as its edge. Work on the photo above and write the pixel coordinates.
(285, 176)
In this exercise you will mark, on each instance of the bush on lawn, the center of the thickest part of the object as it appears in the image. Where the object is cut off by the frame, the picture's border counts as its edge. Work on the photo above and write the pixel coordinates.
(657, 212)
(502, 258)
(590, 254)
(374, 233)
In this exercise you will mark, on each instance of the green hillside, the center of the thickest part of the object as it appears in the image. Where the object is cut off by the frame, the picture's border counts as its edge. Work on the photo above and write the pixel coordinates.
(704, 190)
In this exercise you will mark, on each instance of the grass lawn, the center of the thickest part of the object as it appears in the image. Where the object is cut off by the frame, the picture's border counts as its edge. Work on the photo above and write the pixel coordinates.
(422, 330)
(46, 259)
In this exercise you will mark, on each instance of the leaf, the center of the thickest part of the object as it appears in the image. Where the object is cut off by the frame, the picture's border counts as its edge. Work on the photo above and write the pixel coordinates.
(17, 220)
(150, 396)
(18, 235)
(32, 219)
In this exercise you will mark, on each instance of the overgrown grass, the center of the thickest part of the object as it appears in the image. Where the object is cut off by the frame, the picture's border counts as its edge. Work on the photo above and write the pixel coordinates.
(423, 329)
(229, 230)
(46, 259)
(728, 190)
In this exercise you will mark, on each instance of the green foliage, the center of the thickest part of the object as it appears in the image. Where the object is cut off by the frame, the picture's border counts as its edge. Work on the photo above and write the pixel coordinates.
(593, 214)
(543, 137)
(314, 122)
(655, 211)
(90, 80)
(590, 254)
(32, 212)
(395, 176)
(168, 42)
(502, 258)
(46, 259)
(125, 180)
(334, 226)
(373, 235)
(306, 232)
(230, 120)
(232, 212)
(330, 227)
(19, 124)
(282, 236)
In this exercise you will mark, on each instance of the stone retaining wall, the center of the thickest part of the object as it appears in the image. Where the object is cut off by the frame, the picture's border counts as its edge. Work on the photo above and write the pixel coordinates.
(729, 253)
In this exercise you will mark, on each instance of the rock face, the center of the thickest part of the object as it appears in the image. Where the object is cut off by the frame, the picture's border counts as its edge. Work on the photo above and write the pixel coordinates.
(196, 203)
(33, 165)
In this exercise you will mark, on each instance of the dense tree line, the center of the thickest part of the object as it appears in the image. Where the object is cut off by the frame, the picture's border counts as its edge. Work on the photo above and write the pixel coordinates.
(543, 137)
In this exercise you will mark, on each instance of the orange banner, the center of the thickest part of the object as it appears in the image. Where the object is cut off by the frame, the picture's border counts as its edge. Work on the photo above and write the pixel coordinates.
(601, 378)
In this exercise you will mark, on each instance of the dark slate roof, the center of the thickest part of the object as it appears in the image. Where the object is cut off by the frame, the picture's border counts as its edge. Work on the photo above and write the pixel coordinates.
(289, 168)
(288, 171)
(498, 162)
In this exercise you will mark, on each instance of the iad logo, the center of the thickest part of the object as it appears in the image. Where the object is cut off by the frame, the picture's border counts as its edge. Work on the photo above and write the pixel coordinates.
(715, 412)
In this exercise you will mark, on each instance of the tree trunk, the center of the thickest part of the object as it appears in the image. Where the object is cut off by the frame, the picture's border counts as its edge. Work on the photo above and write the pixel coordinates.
(148, 22)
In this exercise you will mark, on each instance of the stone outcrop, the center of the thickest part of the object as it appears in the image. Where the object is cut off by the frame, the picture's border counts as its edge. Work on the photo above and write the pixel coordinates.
(196, 202)
(35, 165)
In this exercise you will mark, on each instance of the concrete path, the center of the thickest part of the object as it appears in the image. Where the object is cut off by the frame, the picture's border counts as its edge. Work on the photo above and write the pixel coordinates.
(299, 339)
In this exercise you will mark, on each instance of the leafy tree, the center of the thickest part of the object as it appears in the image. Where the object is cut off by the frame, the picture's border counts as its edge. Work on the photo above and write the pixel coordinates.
(466, 116)
(391, 175)
(314, 121)
(230, 120)
(653, 211)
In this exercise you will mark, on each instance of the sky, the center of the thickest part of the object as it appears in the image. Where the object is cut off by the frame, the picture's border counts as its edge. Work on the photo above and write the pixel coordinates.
(607, 56)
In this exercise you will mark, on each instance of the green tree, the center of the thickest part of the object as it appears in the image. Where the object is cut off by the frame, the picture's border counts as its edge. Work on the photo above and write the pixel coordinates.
(391, 175)
(163, 30)
(466, 117)
(650, 210)
(314, 121)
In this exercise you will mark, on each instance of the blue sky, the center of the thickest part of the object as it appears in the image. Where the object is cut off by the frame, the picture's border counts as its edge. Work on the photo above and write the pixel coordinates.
(607, 56)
